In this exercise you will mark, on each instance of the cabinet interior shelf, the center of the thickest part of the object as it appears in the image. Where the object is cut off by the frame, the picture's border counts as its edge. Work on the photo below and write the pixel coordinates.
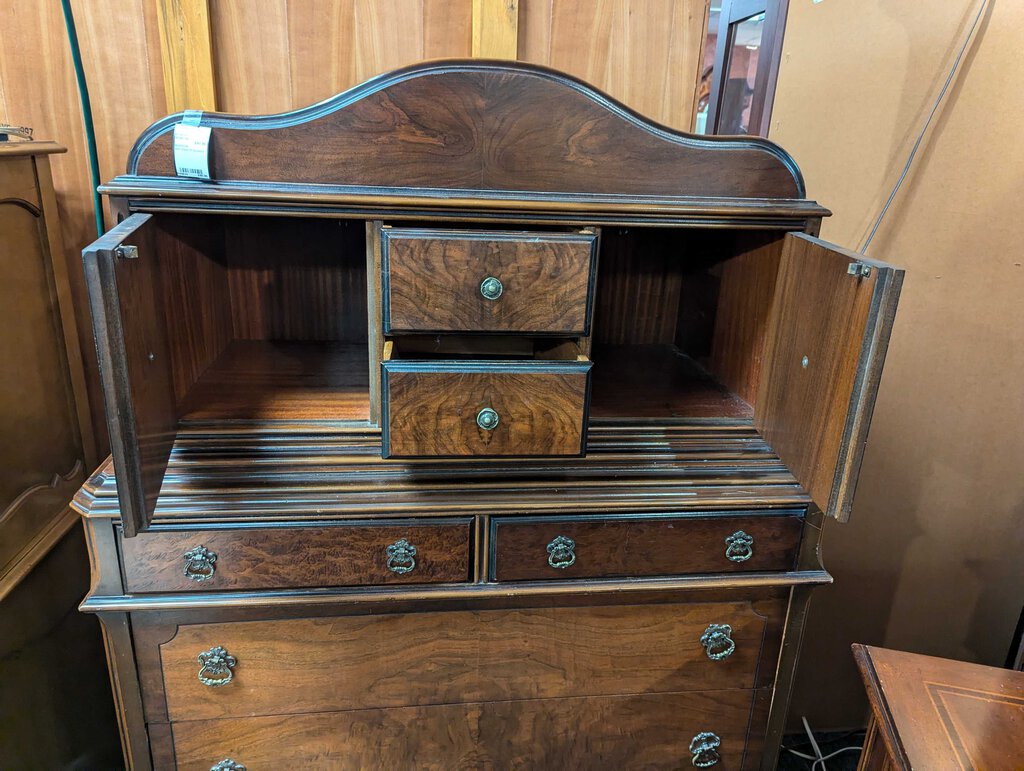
(258, 381)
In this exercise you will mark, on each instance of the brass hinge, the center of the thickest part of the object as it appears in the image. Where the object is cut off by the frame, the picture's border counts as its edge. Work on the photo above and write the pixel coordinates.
(126, 252)
(858, 269)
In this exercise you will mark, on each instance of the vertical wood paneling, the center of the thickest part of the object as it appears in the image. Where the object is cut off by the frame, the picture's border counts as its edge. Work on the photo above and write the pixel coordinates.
(275, 55)
(186, 54)
(250, 55)
(495, 28)
(321, 57)
(645, 53)
(125, 76)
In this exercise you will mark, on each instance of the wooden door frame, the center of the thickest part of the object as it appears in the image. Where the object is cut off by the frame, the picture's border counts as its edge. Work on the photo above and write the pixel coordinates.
(766, 78)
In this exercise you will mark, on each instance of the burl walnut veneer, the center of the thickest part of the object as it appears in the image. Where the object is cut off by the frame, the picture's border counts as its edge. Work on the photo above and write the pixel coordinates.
(469, 419)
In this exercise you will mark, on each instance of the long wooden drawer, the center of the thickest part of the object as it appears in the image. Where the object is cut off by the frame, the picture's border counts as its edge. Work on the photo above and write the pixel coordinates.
(487, 281)
(415, 659)
(484, 408)
(538, 548)
(400, 552)
(630, 732)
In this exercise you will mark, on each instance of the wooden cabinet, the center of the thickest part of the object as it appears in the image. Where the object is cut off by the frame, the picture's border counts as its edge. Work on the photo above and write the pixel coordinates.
(45, 433)
(502, 412)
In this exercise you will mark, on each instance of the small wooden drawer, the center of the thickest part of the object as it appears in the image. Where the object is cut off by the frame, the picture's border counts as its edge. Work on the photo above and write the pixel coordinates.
(646, 731)
(487, 281)
(400, 552)
(484, 408)
(552, 548)
(293, 666)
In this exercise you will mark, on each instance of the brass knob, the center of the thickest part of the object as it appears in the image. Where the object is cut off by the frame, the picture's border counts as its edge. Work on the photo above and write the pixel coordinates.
(228, 765)
(704, 749)
(739, 547)
(199, 563)
(491, 288)
(487, 419)
(717, 641)
(401, 557)
(561, 552)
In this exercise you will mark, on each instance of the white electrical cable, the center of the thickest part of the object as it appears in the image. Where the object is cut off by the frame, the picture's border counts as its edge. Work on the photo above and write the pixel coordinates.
(924, 128)
(817, 757)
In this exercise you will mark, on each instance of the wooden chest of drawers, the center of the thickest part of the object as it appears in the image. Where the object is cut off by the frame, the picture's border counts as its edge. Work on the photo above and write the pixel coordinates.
(469, 454)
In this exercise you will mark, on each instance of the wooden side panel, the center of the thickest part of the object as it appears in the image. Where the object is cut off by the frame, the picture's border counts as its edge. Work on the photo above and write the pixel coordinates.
(432, 410)
(827, 335)
(647, 54)
(126, 296)
(745, 296)
(297, 279)
(295, 666)
(432, 281)
(650, 732)
(195, 295)
(271, 558)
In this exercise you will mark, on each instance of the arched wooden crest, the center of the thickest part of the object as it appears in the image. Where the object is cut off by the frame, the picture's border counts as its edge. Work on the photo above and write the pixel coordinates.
(494, 129)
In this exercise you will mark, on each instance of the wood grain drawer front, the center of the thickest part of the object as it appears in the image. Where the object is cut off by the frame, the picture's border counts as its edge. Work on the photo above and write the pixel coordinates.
(415, 659)
(434, 281)
(643, 731)
(536, 548)
(294, 557)
(436, 408)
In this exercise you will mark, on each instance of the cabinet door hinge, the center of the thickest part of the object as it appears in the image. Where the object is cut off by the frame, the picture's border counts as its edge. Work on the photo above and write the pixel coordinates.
(859, 269)
(126, 252)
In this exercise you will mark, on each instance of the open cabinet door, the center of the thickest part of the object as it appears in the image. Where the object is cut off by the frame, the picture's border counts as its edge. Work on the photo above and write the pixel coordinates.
(126, 299)
(828, 331)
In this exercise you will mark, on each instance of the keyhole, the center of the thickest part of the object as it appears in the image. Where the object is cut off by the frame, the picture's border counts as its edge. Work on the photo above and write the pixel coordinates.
(804, 362)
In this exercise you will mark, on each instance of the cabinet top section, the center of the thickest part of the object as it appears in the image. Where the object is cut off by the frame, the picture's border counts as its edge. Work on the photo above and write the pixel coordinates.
(473, 135)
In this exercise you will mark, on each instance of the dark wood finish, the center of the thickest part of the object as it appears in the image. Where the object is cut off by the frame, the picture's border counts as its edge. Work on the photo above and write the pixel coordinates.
(472, 125)
(640, 546)
(271, 558)
(816, 416)
(46, 443)
(125, 296)
(289, 667)
(193, 298)
(257, 381)
(431, 409)
(660, 382)
(432, 281)
(936, 713)
(301, 280)
(270, 416)
(260, 473)
(769, 56)
(649, 731)
(745, 297)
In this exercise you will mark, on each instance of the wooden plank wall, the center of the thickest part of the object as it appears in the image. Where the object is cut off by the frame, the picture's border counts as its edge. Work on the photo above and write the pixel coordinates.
(145, 58)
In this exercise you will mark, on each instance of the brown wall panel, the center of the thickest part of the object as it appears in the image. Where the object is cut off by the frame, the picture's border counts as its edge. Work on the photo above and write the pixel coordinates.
(646, 53)
(930, 561)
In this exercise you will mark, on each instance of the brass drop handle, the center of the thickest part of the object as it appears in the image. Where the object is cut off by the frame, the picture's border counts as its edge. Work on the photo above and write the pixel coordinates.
(199, 563)
(739, 547)
(228, 765)
(717, 641)
(491, 288)
(217, 667)
(487, 419)
(561, 552)
(401, 557)
(704, 749)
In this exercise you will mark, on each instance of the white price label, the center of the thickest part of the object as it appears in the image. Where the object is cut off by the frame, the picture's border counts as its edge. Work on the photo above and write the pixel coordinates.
(192, 151)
